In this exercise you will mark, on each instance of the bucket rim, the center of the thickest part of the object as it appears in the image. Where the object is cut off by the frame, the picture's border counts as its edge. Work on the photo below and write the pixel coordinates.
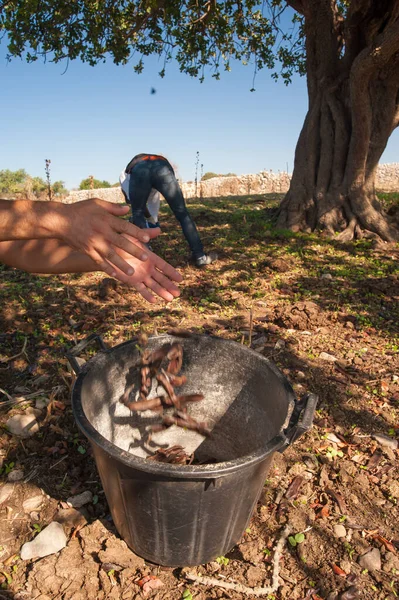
(204, 471)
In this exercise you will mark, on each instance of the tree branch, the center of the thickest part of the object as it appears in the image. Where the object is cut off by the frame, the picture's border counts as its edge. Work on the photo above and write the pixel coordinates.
(298, 5)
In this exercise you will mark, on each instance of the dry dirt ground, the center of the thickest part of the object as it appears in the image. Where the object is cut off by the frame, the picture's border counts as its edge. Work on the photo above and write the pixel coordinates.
(305, 295)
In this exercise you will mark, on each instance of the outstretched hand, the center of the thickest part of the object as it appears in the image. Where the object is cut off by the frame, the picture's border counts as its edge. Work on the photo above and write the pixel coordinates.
(153, 276)
(95, 228)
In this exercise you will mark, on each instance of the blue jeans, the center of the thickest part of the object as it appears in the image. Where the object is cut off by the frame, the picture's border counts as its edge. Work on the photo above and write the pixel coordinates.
(159, 175)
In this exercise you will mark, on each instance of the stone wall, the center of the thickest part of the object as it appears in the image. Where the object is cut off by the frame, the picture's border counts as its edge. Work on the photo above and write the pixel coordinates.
(265, 182)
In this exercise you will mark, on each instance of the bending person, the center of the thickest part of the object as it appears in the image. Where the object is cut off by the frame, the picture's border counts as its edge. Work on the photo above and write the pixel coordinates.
(146, 172)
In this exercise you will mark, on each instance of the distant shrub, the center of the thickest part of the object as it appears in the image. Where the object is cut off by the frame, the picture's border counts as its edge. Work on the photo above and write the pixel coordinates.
(90, 183)
(210, 175)
(20, 184)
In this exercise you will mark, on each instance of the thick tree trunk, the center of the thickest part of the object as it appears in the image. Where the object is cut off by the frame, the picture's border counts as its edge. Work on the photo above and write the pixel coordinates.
(353, 109)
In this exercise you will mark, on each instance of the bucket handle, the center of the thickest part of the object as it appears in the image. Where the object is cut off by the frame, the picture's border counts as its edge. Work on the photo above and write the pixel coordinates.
(301, 419)
(74, 352)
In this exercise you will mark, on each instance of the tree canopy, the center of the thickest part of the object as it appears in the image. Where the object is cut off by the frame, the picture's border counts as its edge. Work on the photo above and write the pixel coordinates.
(197, 35)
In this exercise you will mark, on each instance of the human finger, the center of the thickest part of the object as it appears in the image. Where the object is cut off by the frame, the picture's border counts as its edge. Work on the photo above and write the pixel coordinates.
(127, 228)
(145, 292)
(154, 232)
(165, 283)
(124, 243)
(165, 267)
(106, 267)
(113, 208)
(162, 291)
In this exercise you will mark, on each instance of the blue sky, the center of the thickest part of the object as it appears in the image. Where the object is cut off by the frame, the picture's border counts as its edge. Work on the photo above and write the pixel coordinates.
(93, 120)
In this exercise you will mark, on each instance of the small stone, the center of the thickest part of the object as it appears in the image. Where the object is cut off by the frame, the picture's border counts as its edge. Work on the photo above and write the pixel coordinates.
(386, 441)
(391, 563)
(5, 492)
(279, 345)
(395, 377)
(81, 499)
(260, 341)
(33, 411)
(49, 541)
(346, 565)
(70, 518)
(393, 487)
(23, 425)
(323, 330)
(327, 276)
(32, 503)
(300, 375)
(15, 475)
(339, 531)
(352, 593)
(254, 576)
(41, 403)
(349, 325)
(328, 357)
(371, 560)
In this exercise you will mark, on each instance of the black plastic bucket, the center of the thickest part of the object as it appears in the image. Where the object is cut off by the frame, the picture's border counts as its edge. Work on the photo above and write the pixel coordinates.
(178, 515)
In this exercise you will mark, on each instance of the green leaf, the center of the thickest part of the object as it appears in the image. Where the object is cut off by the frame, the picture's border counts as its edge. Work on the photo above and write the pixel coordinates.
(299, 538)
(292, 541)
(81, 450)
(187, 595)
(95, 499)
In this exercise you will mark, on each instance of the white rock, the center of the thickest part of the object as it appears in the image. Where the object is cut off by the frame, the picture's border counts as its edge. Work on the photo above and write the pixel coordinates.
(339, 531)
(5, 492)
(41, 403)
(81, 499)
(32, 503)
(328, 357)
(386, 441)
(327, 276)
(49, 541)
(395, 377)
(23, 425)
(371, 560)
(15, 475)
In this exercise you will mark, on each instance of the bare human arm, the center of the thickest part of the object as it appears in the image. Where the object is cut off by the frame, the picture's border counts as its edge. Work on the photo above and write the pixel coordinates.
(92, 226)
(153, 276)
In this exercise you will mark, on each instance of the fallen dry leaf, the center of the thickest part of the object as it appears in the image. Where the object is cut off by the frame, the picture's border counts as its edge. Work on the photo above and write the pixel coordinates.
(325, 511)
(338, 571)
(390, 547)
(294, 488)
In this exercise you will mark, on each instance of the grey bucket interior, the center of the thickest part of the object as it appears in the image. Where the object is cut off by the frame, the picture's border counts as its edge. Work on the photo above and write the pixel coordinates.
(247, 402)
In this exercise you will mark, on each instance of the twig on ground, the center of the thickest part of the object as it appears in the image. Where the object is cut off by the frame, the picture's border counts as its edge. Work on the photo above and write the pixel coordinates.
(10, 398)
(6, 360)
(243, 589)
